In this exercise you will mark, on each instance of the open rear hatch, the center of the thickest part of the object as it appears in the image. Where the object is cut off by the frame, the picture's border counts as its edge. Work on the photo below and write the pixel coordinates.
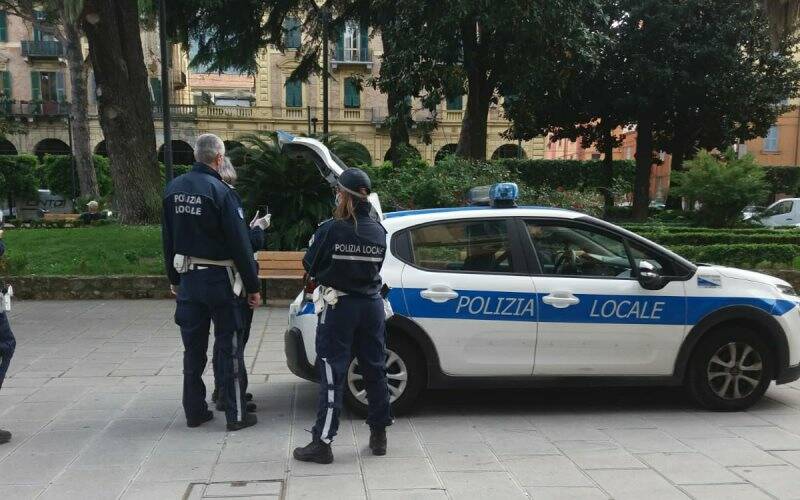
(328, 164)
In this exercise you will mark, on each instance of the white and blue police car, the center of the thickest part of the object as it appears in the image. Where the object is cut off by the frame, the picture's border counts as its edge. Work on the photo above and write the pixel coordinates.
(507, 296)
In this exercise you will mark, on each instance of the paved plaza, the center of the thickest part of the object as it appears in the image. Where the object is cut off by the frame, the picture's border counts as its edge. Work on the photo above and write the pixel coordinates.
(93, 400)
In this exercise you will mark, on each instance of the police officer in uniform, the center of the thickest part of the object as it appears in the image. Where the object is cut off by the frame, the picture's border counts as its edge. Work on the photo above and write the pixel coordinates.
(345, 258)
(209, 259)
(7, 344)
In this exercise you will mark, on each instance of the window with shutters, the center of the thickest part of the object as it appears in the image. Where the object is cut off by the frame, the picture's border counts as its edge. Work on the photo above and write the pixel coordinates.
(294, 94)
(3, 26)
(291, 33)
(6, 76)
(455, 103)
(353, 44)
(40, 34)
(771, 140)
(352, 94)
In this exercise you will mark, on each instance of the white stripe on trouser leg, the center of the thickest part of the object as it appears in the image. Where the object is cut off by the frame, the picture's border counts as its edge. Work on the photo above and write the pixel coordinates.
(329, 414)
(237, 389)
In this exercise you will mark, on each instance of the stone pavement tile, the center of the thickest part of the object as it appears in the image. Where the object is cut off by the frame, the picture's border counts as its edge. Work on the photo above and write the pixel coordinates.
(21, 491)
(519, 442)
(446, 430)
(599, 455)
(345, 461)
(792, 457)
(773, 403)
(103, 401)
(148, 490)
(424, 494)
(249, 471)
(646, 440)
(11, 381)
(160, 457)
(787, 422)
(74, 421)
(779, 481)
(546, 470)
(481, 485)
(347, 487)
(161, 472)
(57, 442)
(149, 429)
(145, 408)
(64, 394)
(91, 370)
(459, 457)
(34, 411)
(568, 493)
(239, 490)
(725, 492)
(402, 441)
(556, 431)
(688, 426)
(689, 468)
(107, 452)
(769, 438)
(731, 452)
(274, 449)
(90, 484)
(33, 468)
(732, 419)
(385, 473)
(624, 484)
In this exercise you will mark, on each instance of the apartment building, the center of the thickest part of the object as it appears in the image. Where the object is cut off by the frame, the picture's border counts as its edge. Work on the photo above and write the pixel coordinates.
(36, 88)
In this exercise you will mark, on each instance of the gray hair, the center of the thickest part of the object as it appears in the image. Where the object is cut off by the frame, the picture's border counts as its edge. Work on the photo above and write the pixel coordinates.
(207, 147)
(227, 172)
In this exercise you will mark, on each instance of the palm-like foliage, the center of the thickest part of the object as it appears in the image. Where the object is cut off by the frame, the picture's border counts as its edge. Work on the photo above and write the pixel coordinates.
(298, 197)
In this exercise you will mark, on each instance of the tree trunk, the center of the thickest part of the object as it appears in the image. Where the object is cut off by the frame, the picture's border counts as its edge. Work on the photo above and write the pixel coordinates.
(678, 154)
(399, 117)
(81, 147)
(126, 115)
(472, 139)
(608, 170)
(644, 163)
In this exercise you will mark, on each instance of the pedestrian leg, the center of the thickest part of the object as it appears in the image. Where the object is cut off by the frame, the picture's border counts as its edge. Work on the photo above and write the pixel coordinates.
(370, 348)
(194, 320)
(7, 346)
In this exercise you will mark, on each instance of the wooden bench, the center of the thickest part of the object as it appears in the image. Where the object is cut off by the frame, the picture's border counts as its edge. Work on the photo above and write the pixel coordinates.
(51, 217)
(278, 265)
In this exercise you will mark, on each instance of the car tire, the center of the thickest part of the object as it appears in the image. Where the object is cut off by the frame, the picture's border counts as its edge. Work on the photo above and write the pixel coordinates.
(730, 369)
(402, 355)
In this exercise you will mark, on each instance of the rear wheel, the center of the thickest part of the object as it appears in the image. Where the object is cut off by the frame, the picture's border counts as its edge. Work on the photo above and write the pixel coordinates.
(730, 369)
(405, 374)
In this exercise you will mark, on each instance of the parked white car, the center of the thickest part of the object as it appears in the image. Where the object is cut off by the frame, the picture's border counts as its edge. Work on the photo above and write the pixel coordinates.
(505, 296)
(785, 212)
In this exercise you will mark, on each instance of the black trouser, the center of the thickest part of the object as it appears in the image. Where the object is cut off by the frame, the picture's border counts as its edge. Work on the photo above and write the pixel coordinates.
(205, 296)
(7, 346)
(247, 322)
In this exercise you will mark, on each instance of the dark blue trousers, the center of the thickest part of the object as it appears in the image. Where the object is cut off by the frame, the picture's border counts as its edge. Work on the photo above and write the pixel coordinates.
(355, 325)
(247, 322)
(205, 296)
(7, 346)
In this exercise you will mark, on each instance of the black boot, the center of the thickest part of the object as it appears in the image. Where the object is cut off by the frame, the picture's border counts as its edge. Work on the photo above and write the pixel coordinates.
(215, 395)
(248, 421)
(377, 440)
(316, 451)
(248, 396)
(5, 436)
(197, 422)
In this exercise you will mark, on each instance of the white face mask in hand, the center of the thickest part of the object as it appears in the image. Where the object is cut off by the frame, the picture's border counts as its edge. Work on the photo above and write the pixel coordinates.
(262, 222)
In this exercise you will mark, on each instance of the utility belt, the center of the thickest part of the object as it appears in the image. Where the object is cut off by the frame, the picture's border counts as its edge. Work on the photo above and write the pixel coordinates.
(325, 296)
(6, 293)
(186, 263)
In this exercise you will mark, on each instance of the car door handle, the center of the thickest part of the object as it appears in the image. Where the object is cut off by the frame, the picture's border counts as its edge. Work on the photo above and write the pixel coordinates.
(439, 294)
(561, 300)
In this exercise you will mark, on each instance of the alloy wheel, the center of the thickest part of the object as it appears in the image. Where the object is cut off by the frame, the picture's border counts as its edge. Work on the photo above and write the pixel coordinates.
(735, 370)
(396, 374)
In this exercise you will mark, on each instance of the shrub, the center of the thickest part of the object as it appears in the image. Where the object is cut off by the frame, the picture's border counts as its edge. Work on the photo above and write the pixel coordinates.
(18, 177)
(724, 186)
(715, 238)
(782, 180)
(568, 174)
(742, 255)
(58, 174)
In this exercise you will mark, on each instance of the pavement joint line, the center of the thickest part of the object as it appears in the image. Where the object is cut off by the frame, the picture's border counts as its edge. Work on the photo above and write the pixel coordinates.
(360, 461)
(428, 457)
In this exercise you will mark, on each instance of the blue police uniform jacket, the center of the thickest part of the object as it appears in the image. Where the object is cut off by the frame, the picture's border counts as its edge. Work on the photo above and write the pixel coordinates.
(348, 256)
(203, 217)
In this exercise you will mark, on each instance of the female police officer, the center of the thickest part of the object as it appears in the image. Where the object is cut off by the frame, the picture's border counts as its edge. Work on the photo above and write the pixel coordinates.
(345, 257)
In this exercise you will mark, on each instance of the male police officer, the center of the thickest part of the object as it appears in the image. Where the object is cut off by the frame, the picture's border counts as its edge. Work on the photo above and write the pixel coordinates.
(7, 344)
(209, 259)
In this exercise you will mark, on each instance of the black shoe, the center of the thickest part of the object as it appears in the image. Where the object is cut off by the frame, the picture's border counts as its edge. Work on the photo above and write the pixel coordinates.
(248, 396)
(316, 451)
(5, 436)
(377, 440)
(215, 395)
(250, 407)
(249, 421)
(197, 422)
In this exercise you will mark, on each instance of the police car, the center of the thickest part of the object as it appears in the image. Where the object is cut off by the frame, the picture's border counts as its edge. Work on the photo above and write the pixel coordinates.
(507, 296)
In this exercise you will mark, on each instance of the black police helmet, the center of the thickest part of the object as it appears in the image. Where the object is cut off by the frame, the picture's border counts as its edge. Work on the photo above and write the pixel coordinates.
(353, 180)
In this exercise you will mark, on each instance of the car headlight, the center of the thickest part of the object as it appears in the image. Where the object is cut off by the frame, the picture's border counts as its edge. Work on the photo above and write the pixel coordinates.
(786, 289)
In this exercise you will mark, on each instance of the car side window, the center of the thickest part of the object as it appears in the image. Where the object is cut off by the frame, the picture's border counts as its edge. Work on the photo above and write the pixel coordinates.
(661, 264)
(783, 207)
(473, 246)
(566, 250)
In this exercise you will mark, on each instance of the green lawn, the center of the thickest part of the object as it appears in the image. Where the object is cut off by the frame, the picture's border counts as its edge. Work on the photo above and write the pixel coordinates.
(84, 251)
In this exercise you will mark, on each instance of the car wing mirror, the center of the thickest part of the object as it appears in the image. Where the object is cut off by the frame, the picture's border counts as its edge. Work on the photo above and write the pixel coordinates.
(649, 277)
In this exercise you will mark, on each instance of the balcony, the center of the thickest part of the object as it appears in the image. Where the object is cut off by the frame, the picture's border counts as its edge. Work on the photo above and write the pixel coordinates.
(43, 49)
(359, 56)
(177, 111)
(32, 109)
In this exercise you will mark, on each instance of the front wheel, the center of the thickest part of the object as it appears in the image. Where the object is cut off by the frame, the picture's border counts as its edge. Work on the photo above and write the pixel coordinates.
(730, 369)
(405, 374)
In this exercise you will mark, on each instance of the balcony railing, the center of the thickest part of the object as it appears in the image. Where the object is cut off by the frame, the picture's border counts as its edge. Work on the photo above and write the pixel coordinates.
(48, 49)
(34, 108)
(359, 55)
(177, 111)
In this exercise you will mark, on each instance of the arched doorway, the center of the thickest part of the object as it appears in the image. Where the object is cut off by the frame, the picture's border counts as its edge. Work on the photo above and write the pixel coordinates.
(446, 150)
(182, 153)
(6, 148)
(101, 149)
(51, 147)
(508, 151)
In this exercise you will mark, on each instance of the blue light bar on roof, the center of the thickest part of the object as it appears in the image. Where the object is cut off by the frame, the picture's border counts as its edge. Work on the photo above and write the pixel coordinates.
(284, 138)
(504, 194)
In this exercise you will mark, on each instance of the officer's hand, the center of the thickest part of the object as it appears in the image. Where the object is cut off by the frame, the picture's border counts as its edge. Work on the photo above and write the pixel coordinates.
(253, 300)
(173, 289)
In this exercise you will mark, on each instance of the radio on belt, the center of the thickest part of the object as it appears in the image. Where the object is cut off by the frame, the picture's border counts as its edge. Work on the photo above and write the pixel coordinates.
(500, 195)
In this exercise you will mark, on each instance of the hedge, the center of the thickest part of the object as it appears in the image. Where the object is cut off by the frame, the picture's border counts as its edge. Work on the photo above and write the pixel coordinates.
(744, 255)
(58, 175)
(568, 174)
(656, 229)
(715, 238)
